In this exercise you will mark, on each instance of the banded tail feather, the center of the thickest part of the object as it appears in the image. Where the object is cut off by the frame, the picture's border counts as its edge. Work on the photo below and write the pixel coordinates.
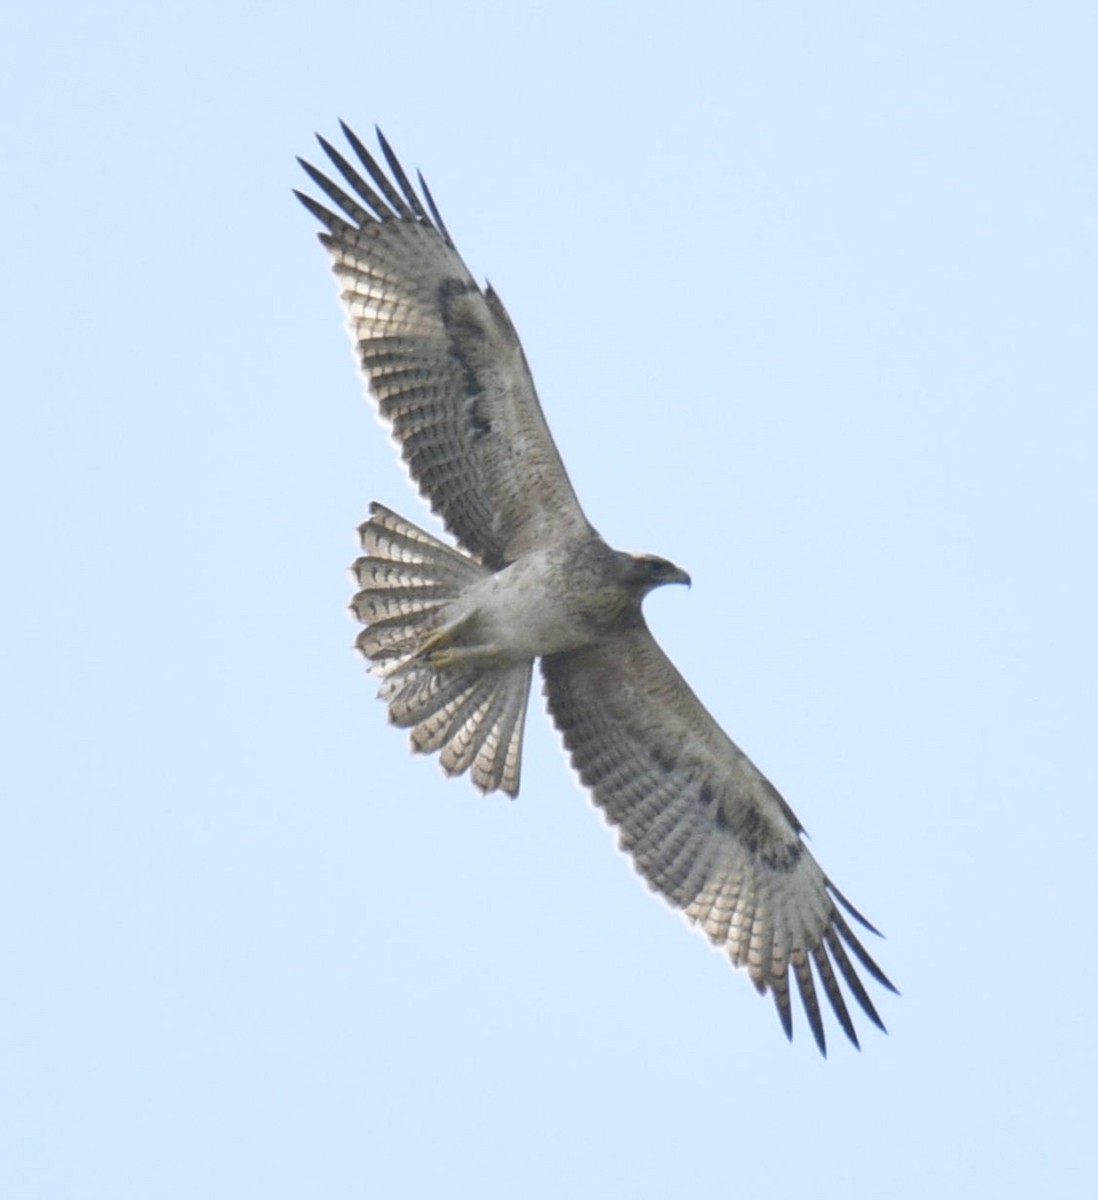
(471, 712)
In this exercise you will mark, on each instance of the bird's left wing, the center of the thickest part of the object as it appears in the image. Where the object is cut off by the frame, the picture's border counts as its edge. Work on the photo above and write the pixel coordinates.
(704, 827)
(443, 362)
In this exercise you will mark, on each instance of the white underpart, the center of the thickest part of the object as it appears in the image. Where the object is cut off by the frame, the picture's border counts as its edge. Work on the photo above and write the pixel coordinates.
(518, 613)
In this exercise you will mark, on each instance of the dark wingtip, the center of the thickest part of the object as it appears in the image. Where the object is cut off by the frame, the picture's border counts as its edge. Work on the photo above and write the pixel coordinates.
(852, 910)
(833, 992)
(325, 216)
(440, 225)
(382, 141)
(785, 1009)
(394, 195)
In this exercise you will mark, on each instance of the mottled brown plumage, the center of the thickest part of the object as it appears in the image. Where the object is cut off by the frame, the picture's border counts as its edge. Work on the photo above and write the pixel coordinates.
(454, 633)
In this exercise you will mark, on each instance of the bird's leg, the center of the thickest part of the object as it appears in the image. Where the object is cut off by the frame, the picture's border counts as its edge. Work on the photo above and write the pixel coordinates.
(438, 649)
(443, 649)
(461, 656)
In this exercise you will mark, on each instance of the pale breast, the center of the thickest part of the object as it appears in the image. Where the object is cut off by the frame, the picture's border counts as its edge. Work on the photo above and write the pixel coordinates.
(546, 602)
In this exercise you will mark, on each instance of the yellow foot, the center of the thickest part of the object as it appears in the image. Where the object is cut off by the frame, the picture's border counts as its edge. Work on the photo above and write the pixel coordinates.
(436, 650)
(444, 656)
(434, 643)
(439, 650)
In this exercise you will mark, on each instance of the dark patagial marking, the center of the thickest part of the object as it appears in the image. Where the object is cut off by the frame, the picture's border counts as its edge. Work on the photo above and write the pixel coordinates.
(450, 290)
(479, 425)
(660, 760)
(464, 328)
(751, 829)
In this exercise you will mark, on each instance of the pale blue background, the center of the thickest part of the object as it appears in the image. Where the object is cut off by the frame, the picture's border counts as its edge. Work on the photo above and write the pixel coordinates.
(809, 292)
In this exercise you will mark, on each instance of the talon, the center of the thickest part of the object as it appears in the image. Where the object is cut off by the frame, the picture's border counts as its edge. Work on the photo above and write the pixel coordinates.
(432, 645)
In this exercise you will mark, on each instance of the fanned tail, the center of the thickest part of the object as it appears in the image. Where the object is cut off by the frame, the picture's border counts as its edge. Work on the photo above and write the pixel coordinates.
(472, 712)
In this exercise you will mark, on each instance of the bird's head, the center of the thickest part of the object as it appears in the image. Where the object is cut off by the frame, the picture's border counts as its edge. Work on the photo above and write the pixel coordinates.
(648, 571)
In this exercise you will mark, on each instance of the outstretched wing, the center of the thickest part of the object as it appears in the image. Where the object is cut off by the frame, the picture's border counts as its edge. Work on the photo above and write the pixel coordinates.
(704, 826)
(444, 363)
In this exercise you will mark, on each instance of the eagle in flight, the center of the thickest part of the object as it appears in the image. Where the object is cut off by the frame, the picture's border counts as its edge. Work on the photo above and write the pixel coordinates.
(454, 633)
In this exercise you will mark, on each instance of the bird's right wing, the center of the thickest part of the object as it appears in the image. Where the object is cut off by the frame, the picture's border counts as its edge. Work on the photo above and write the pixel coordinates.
(444, 363)
(704, 827)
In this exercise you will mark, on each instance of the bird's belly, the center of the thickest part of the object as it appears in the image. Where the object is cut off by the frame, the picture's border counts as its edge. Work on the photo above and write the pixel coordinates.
(525, 611)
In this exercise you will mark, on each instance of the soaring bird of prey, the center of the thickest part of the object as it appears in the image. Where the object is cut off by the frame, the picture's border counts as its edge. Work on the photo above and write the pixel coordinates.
(454, 633)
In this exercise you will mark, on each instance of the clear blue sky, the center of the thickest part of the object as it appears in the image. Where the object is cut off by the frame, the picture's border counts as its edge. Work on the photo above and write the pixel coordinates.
(809, 293)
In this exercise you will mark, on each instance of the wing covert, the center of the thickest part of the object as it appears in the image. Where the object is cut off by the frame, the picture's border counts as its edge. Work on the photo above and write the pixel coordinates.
(443, 362)
(704, 827)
